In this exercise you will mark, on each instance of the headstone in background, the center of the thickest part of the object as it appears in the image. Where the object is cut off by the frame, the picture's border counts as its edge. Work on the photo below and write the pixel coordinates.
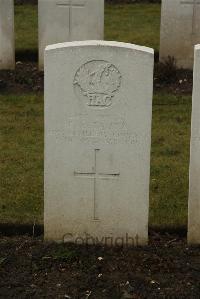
(194, 193)
(69, 20)
(7, 36)
(180, 30)
(98, 111)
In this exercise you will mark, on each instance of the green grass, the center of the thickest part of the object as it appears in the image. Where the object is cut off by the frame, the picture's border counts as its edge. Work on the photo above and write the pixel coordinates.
(22, 157)
(138, 23)
(26, 28)
(169, 160)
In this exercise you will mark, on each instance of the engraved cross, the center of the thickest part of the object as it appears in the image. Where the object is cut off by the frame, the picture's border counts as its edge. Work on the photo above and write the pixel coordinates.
(70, 4)
(95, 175)
(195, 3)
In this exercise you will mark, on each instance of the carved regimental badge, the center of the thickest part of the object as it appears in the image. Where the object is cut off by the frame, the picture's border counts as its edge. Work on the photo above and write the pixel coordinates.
(97, 82)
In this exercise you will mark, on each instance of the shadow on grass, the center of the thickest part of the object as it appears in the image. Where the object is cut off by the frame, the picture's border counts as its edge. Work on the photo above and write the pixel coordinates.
(9, 230)
(27, 55)
(37, 230)
(31, 55)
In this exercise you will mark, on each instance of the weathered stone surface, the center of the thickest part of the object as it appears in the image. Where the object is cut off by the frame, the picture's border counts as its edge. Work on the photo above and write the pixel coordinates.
(7, 43)
(69, 20)
(98, 110)
(180, 30)
(194, 193)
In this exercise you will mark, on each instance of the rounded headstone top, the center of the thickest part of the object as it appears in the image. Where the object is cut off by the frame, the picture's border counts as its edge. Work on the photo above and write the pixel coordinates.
(100, 43)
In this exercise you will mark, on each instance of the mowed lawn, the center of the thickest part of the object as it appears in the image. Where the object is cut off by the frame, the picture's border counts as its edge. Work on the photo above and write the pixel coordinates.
(138, 24)
(21, 122)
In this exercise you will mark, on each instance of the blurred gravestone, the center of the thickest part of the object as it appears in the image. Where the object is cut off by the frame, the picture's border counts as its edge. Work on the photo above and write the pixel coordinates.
(7, 43)
(98, 107)
(194, 193)
(69, 20)
(180, 30)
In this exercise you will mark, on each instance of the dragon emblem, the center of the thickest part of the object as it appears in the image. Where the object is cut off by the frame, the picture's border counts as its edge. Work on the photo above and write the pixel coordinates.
(98, 81)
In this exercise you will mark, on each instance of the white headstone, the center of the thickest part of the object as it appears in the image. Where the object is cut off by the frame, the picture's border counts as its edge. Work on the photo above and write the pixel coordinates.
(98, 110)
(180, 30)
(69, 20)
(7, 43)
(194, 193)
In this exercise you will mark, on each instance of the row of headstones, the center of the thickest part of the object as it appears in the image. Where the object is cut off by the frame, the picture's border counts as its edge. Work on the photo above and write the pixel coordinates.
(69, 20)
(58, 21)
(98, 113)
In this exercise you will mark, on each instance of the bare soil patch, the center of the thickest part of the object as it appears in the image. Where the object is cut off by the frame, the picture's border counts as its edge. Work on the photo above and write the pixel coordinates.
(31, 268)
(26, 77)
